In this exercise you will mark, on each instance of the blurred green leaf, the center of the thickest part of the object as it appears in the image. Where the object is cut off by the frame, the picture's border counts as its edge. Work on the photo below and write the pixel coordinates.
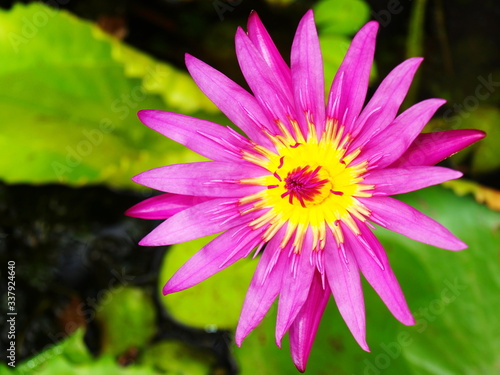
(415, 46)
(453, 295)
(213, 304)
(105, 365)
(281, 2)
(336, 21)
(333, 48)
(486, 157)
(74, 348)
(69, 99)
(127, 316)
(174, 357)
(62, 358)
(341, 17)
(463, 304)
(482, 194)
(71, 349)
(485, 154)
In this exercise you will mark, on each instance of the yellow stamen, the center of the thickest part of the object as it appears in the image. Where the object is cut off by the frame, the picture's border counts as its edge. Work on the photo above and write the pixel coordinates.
(311, 184)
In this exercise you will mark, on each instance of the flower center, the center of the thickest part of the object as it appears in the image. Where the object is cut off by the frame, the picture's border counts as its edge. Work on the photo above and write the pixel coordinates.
(312, 183)
(304, 185)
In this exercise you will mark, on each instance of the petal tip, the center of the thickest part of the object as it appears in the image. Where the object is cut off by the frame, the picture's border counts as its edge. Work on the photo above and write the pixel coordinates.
(460, 246)
(409, 320)
(188, 57)
(454, 244)
(240, 334)
(253, 17)
(142, 112)
(278, 341)
(478, 134)
(240, 32)
(166, 290)
(309, 13)
(361, 340)
(146, 116)
(132, 211)
(363, 344)
(439, 101)
(149, 241)
(300, 367)
(238, 341)
(415, 60)
(279, 333)
(192, 63)
(372, 26)
(144, 242)
(137, 178)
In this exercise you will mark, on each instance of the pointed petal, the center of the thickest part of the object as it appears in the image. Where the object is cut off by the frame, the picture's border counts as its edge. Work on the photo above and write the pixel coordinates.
(384, 105)
(163, 206)
(303, 330)
(307, 75)
(404, 219)
(277, 103)
(388, 145)
(204, 137)
(297, 279)
(431, 148)
(366, 249)
(236, 103)
(204, 219)
(391, 181)
(264, 287)
(206, 178)
(345, 284)
(348, 91)
(218, 254)
(265, 45)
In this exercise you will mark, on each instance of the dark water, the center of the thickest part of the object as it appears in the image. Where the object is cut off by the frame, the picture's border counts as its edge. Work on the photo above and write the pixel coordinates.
(70, 245)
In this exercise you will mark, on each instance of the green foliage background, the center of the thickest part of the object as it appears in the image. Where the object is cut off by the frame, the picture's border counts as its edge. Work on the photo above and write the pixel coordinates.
(68, 97)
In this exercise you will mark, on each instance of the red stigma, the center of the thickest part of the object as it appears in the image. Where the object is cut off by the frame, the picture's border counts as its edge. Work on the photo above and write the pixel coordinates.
(336, 192)
(282, 159)
(303, 184)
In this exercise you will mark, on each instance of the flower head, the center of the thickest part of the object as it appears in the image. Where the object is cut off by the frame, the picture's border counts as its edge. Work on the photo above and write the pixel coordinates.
(303, 189)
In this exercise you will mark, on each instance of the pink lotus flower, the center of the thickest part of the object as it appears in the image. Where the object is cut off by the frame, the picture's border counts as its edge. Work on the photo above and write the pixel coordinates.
(305, 185)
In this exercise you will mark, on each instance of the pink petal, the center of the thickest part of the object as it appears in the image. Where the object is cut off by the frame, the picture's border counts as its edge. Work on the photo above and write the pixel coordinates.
(267, 49)
(204, 219)
(204, 137)
(392, 142)
(384, 105)
(391, 181)
(297, 279)
(431, 148)
(236, 103)
(348, 91)
(207, 178)
(402, 218)
(345, 284)
(371, 257)
(264, 287)
(303, 330)
(307, 74)
(261, 79)
(164, 206)
(218, 254)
